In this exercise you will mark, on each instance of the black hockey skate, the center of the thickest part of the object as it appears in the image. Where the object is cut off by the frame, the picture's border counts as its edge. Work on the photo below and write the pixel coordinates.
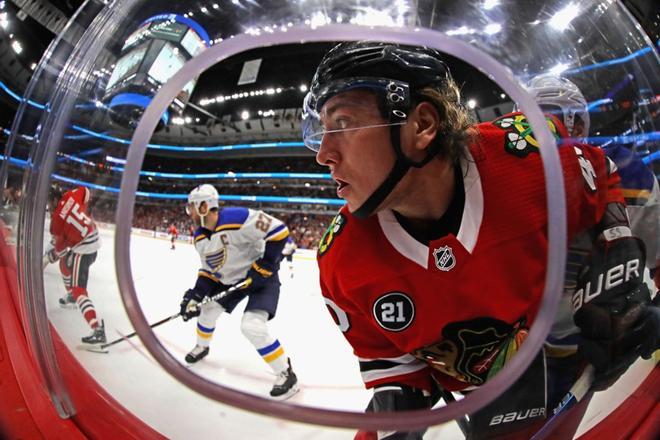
(286, 384)
(197, 354)
(97, 337)
(67, 301)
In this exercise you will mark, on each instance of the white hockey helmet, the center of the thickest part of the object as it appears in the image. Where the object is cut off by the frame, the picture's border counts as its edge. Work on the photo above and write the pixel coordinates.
(555, 94)
(202, 193)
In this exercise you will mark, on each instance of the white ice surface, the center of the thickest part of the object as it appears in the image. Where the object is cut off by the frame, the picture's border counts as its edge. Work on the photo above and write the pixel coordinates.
(327, 370)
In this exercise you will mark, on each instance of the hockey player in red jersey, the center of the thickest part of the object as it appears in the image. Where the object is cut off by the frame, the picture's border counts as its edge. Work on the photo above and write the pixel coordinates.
(174, 234)
(75, 242)
(435, 268)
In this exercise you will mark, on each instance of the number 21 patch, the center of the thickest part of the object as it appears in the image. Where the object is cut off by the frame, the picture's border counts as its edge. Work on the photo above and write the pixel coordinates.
(394, 311)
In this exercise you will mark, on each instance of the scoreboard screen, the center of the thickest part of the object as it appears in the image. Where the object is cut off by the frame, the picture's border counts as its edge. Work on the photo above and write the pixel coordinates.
(192, 43)
(167, 63)
(127, 65)
(167, 30)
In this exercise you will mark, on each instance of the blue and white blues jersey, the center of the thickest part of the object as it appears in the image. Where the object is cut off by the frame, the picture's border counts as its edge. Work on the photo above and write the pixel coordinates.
(239, 239)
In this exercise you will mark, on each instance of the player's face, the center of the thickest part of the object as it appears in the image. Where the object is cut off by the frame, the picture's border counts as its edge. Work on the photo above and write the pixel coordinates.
(360, 159)
(194, 215)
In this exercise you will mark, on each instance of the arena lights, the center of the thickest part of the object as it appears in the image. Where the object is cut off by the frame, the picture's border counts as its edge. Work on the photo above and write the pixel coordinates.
(490, 4)
(224, 197)
(242, 95)
(493, 28)
(562, 19)
(173, 196)
(471, 103)
(559, 69)
(463, 30)
(376, 17)
(16, 45)
(207, 148)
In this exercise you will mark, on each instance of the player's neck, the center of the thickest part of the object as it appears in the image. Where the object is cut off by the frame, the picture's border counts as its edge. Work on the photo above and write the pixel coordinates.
(426, 193)
(210, 220)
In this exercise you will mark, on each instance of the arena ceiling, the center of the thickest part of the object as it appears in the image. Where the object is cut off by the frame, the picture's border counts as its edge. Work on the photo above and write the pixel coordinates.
(287, 67)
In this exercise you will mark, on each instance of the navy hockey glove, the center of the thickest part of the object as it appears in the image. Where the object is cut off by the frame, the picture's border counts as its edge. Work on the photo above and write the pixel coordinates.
(611, 308)
(189, 307)
(259, 273)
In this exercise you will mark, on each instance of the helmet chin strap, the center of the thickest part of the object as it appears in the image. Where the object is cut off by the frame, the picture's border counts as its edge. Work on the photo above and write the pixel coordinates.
(399, 169)
(202, 218)
(401, 166)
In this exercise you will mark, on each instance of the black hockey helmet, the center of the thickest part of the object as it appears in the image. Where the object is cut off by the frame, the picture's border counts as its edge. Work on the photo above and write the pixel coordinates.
(394, 72)
(415, 66)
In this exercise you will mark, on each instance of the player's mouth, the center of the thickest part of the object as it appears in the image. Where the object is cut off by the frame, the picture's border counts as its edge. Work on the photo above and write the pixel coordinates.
(342, 186)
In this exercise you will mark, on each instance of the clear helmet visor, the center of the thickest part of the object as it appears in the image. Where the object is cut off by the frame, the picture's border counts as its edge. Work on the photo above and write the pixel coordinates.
(394, 94)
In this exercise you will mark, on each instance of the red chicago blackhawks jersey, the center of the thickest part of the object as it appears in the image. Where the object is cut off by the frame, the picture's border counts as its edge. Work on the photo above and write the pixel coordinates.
(71, 226)
(458, 307)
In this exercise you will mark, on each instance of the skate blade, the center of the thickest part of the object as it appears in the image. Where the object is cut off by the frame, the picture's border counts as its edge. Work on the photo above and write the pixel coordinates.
(292, 392)
(93, 348)
(69, 306)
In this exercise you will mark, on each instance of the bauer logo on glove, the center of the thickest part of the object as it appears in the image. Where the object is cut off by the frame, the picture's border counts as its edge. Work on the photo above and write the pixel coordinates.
(613, 269)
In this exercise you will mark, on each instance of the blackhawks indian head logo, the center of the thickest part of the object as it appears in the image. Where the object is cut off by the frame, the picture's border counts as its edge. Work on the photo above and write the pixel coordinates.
(474, 351)
(333, 230)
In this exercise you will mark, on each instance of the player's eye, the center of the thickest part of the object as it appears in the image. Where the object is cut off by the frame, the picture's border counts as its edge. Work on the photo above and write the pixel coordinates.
(342, 123)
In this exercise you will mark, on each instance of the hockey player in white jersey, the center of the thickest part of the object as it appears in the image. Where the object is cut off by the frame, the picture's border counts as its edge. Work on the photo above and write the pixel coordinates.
(235, 244)
(288, 251)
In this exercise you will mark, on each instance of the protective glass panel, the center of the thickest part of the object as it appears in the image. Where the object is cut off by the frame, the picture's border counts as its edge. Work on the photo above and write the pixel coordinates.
(76, 124)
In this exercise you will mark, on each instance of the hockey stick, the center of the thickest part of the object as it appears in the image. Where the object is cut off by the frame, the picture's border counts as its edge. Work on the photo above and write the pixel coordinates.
(103, 347)
(463, 422)
(577, 392)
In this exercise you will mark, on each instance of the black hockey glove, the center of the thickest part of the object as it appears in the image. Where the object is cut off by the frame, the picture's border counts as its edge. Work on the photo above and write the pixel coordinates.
(611, 308)
(259, 273)
(52, 256)
(393, 397)
(189, 307)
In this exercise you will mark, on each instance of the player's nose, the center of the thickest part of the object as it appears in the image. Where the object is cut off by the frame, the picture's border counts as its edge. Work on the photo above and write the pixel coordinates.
(328, 153)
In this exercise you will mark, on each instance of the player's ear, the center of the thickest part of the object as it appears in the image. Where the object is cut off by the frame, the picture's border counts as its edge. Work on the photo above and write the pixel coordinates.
(426, 121)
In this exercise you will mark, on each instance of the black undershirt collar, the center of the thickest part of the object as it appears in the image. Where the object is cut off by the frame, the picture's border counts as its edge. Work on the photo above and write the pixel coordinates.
(449, 223)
